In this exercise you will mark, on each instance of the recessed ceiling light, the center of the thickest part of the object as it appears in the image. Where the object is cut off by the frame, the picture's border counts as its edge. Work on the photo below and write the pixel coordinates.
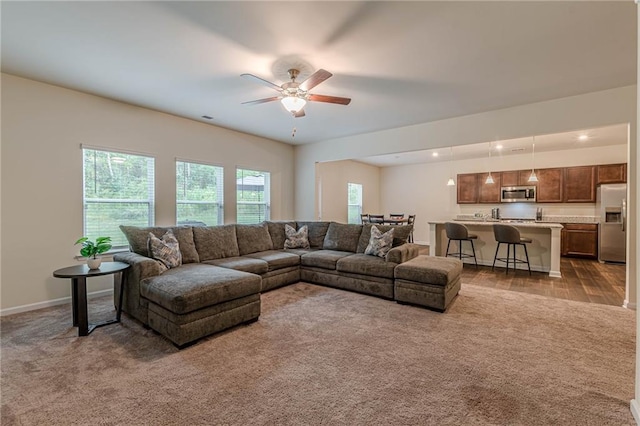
(498, 146)
(435, 154)
(583, 137)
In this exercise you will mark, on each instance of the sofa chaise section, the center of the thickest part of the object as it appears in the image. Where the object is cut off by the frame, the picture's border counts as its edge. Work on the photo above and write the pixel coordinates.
(196, 300)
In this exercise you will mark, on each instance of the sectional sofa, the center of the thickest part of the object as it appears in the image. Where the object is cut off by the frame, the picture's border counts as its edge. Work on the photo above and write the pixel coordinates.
(224, 269)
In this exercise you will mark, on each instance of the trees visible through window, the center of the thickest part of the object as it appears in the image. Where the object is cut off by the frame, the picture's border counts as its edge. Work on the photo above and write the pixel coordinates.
(199, 194)
(118, 189)
(355, 202)
(253, 196)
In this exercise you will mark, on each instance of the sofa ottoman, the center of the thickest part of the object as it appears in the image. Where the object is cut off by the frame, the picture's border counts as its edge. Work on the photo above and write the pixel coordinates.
(195, 300)
(432, 282)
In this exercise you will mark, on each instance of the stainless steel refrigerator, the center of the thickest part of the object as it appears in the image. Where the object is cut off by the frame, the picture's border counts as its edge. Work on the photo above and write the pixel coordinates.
(611, 206)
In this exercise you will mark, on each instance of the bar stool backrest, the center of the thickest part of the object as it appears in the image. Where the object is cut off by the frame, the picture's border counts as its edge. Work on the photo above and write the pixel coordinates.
(506, 233)
(456, 231)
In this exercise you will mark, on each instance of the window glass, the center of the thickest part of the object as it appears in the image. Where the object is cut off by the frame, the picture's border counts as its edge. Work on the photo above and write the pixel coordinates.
(253, 196)
(118, 190)
(199, 194)
(355, 202)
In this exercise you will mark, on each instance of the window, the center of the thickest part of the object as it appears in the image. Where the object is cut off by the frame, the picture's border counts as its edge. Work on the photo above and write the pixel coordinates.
(117, 190)
(199, 193)
(253, 200)
(354, 202)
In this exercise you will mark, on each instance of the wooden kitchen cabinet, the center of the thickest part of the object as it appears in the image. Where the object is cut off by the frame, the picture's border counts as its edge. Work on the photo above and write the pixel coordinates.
(580, 184)
(611, 173)
(510, 178)
(579, 240)
(550, 185)
(489, 192)
(467, 188)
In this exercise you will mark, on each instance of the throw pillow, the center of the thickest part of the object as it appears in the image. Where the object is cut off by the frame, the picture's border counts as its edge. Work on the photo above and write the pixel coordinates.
(379, 243)
(296, 239)
(166, 250)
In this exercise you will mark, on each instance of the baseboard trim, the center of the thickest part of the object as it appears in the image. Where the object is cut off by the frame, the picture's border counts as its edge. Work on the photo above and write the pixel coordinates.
(635, 410)
(49, 303)
(629, 305)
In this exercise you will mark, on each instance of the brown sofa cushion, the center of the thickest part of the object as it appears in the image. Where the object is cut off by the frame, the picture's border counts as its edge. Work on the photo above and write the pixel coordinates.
(138, 236)
(216, 242)
(242, 263)
(277, 259)
(429, 270)
(400, 235)
(326, 259)
(364, 264)
(276, 231)
(317, 232)
(342, 237)
(192, 287)
(253, 238)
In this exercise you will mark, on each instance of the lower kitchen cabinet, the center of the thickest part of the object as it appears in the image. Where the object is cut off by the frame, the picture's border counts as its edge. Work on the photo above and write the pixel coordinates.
(579, 240)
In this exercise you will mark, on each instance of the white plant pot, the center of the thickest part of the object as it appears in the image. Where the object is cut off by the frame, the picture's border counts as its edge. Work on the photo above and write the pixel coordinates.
(94, 263)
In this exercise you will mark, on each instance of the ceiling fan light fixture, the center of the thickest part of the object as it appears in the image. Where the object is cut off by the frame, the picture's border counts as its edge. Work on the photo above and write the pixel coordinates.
(293, 104)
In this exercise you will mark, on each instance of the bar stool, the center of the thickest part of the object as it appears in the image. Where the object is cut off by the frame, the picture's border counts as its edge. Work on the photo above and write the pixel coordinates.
(510, 235)
(458, 232)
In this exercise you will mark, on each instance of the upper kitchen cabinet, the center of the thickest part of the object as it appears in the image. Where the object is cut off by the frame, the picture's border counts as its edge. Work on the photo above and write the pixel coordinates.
(611, 173)
(489, 192)
(517, 178)
(467, 187)
(580, 184)
(550, 185)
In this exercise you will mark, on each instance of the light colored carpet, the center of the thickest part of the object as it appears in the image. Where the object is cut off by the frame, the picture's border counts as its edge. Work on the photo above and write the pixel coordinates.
(325, 356)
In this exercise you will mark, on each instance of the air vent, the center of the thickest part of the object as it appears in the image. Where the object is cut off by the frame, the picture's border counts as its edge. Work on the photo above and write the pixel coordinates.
(207, 117)
(517, 149)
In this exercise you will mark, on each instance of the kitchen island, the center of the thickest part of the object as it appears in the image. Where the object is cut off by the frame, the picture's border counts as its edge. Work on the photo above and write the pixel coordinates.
(544, 251)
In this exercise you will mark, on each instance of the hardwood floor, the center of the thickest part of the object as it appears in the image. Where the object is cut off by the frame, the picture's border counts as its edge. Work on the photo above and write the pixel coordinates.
(583, 280)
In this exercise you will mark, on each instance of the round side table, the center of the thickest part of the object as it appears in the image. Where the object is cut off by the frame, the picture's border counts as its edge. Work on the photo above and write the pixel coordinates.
(79, 275)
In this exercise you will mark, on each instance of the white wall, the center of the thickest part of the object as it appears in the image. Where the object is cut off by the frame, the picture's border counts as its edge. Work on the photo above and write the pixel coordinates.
(42, 129)
(430, 199)
(332, 180)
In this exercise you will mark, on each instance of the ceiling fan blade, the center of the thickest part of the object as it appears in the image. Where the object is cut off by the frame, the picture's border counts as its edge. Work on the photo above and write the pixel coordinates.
(261, 101)
(329, 99)
(299, 114)
(261, 81)
(315, 79)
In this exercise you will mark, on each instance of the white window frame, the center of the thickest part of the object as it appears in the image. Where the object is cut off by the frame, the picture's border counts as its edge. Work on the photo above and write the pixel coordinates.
(358, 205)
(87, 200)
(267, 195)
(218, 205)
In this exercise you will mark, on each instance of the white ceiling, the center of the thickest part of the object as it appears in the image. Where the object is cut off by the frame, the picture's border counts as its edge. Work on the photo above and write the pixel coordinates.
(588, 138)
(402, 63)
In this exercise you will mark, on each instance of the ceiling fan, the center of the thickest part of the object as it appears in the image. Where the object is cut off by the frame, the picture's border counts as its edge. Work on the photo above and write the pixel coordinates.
(294, 95)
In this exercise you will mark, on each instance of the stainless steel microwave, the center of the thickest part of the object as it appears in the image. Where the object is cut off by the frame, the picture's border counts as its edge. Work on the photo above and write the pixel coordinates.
(518, 194)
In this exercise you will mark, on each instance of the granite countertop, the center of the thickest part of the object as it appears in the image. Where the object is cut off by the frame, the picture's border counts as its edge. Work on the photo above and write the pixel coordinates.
(519, 223)
(545, 219)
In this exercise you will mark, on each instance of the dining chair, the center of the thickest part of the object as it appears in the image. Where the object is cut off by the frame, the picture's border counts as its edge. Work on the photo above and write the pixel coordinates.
(510, 235)
(364, 218)
(376, 218)
(410, 221)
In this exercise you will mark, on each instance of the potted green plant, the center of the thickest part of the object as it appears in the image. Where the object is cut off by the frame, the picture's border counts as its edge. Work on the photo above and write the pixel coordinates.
(91, 250)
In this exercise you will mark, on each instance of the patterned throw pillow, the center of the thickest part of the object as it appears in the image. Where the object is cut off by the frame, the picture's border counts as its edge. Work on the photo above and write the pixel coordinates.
(299, 239)
(379, 243)
(166, 250)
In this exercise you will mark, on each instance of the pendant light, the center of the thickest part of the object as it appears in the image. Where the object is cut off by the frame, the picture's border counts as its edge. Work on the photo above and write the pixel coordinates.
(533, 177)
(489, 180)
(451, 182)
